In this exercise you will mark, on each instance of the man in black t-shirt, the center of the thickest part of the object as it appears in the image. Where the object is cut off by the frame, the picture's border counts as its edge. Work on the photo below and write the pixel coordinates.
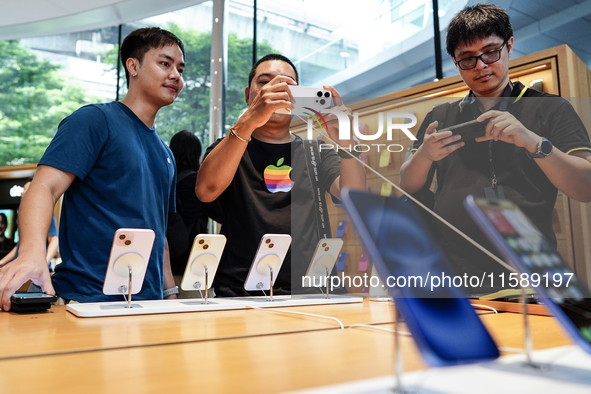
(238, 172)
(535, 144)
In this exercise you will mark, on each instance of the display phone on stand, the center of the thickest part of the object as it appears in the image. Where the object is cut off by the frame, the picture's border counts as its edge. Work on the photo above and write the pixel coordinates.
(31, 302)
(444, 325)
(539, 265)
(204, 258)
(324, 258)
(267, 261)
(130, 251)
(307, 99)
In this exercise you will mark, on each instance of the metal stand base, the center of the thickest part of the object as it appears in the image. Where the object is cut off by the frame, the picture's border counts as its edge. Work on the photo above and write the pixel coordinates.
(270, 299)
(527, 338)
(327, 280)
(129, 287)
(205, 299)
(398, 358)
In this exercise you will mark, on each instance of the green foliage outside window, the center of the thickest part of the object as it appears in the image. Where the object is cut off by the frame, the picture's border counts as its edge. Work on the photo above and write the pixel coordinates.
(35, 96)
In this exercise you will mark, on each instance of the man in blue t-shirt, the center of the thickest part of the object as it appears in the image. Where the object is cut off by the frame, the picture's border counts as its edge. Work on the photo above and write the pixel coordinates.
(113, 171)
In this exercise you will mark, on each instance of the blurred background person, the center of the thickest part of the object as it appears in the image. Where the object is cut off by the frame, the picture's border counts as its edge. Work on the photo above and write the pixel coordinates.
(190, 218)
(52, 240)
(5, 243)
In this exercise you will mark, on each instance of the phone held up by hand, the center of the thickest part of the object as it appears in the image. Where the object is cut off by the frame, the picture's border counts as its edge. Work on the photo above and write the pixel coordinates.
(468, 130)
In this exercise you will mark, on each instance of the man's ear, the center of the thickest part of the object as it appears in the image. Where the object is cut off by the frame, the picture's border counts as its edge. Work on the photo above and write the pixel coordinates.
(247, 94)
(510, 45)
(132, 66)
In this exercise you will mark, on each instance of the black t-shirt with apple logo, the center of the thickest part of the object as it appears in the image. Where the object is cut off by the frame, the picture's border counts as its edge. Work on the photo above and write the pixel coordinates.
(266, 197)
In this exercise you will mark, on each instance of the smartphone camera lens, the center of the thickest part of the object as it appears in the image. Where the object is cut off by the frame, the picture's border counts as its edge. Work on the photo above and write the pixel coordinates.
(127, 243)
(205, 247)
(267, 240)
(122, 236)
(324, 244)
(319, 94)
(271, 245)
(326, 94)
(326, 249)
(201, 241)
(322, 102)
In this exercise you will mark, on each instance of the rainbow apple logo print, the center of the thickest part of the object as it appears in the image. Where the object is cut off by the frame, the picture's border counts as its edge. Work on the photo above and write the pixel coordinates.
(277, 177)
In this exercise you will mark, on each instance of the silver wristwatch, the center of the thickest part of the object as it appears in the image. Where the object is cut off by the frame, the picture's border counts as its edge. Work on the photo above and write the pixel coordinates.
(545, 148)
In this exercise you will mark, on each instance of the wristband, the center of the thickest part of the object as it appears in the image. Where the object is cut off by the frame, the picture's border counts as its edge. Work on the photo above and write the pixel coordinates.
(171, 291)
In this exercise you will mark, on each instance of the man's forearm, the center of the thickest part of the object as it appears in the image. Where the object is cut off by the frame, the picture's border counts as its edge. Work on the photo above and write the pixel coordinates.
(352, 174)
(571, 174)
(218, 168)
(35, 215)
(414, 173)
(167, 278)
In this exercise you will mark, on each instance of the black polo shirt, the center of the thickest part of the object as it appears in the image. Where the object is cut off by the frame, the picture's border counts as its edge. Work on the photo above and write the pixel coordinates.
(468, 171)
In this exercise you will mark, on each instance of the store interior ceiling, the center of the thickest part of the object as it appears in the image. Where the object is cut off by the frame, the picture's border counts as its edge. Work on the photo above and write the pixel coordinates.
(538, 24)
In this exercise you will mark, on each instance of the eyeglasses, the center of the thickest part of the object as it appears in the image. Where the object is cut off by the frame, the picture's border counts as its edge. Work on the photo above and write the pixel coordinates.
(487, 58)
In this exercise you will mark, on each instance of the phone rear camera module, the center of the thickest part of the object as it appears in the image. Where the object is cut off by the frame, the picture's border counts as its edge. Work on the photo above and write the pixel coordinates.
(319, 94)
(327, 94)
(322, 102)
(127, 243)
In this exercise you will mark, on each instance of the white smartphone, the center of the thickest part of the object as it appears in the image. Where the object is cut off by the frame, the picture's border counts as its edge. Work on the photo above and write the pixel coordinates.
(206, 254)
(306, 100)
(270, 255)
(131, 250)
(324, 258)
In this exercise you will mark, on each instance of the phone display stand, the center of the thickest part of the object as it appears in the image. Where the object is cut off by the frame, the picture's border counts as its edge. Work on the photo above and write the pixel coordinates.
(151, 307)
(267, 266)
(398, 357)
(125, 266)
(200, 270)
(323, 261)
(527, 338)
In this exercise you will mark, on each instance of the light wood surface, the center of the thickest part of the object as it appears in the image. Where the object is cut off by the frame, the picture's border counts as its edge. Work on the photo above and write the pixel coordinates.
(220, 352)
(61, 332)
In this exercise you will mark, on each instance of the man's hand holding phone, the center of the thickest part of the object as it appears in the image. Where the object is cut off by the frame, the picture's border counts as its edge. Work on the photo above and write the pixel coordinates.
(14, 274)
(272, 96)
(332, 121)
(503, 126)
(438, 145)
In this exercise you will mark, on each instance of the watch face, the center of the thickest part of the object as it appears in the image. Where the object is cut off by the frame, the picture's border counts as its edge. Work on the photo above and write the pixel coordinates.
(546, 147)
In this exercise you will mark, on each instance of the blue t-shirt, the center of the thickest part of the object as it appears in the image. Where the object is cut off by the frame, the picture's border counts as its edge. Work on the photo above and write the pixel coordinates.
(125, 177)
(51, 233)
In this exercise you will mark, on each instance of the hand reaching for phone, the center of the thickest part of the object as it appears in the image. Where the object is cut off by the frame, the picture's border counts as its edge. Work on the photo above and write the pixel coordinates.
(14, 274)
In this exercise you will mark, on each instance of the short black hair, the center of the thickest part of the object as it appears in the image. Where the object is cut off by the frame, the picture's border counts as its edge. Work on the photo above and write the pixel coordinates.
(477, 22)
(272, 56)
(140, 41)
(186, 148)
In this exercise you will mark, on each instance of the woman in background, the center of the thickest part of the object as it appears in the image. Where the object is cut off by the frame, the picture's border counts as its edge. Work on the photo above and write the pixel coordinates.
(190, 218)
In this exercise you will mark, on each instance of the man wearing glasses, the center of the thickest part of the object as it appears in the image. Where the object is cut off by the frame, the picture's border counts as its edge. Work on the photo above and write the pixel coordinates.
(535, 144)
